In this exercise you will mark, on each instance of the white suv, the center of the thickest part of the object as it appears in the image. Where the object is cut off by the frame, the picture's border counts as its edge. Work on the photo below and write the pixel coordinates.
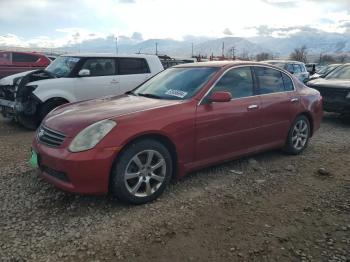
(29, 96)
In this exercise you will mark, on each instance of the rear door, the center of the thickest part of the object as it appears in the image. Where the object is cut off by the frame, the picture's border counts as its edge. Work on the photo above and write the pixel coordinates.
(229, 128)
(132, 71)
(276, 94)
(101, 82)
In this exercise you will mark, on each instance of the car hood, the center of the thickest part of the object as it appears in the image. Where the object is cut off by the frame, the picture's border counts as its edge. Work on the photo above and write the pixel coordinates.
(332, 83)
(8, 80)
(72, 118)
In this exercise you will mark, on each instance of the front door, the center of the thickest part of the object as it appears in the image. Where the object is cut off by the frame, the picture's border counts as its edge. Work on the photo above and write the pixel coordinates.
(101, 82)
(226, 129)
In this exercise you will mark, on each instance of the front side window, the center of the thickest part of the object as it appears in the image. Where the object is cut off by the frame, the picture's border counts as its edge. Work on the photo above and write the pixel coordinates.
(176, 83)
(131, 66)
(5, 57)
(269, 80)
(63, 66)
(237, 81)
(23, 58)
(100, 66)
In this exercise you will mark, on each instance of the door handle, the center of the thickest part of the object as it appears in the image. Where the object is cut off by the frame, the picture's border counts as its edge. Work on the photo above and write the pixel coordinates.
(114, 81)
(251, 107)
(294, 100)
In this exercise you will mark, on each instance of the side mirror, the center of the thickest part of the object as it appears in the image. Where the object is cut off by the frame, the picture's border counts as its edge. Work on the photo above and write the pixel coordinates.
(220, 97)
(84, 72)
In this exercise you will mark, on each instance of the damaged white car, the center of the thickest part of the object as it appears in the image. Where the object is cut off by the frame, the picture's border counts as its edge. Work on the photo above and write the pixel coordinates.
(28, 97)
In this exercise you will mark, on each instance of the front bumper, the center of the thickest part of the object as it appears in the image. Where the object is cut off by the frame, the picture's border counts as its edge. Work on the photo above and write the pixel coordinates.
(84, 173)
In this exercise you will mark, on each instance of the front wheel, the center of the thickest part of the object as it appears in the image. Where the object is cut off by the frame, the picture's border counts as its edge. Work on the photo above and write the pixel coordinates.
(298, 136)
(142, 172)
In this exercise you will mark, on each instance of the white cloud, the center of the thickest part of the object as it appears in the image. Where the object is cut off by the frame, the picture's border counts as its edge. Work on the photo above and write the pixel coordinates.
(159, 18)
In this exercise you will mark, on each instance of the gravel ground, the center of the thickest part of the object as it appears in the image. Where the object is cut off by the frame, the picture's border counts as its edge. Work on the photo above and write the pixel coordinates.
(270, 207)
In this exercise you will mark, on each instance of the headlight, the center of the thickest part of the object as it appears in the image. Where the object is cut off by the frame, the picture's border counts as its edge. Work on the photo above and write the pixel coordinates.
(91, 135)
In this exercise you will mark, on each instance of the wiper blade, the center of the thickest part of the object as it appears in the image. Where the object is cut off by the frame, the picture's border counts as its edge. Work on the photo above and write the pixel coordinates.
(149, 95)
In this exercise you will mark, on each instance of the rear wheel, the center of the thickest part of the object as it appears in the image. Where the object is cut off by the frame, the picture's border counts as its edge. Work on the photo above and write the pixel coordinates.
(142, 172)
(298, 136)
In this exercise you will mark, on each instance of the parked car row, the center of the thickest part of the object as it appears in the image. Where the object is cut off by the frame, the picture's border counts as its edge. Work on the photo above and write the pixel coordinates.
(30, 96)
(182, 119)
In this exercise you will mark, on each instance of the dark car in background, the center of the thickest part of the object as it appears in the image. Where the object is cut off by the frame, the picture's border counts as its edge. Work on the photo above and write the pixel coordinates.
(16, 62)
(324, 71)
(335, 89)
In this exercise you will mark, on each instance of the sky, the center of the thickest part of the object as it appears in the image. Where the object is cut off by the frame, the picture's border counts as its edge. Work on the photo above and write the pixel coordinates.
(57, 23)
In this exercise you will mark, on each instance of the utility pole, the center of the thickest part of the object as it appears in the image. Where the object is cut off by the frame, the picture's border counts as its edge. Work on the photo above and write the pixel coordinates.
(116, 45)
(233, 52)
(156, 48)
(223, 49)
(192, 51)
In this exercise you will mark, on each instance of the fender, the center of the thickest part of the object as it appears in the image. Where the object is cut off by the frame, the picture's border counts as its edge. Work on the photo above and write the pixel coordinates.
(45, 95)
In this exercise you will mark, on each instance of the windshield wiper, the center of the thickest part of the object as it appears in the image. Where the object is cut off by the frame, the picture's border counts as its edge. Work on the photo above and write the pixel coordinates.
(149, 95)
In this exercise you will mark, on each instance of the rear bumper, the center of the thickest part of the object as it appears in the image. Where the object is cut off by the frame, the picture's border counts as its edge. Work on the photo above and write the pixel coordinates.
(84, 173)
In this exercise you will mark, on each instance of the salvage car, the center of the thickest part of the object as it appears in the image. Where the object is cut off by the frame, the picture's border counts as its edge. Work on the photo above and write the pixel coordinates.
(16, 62)
(296, 68)
(187, 117)
(335, 89)
(28, 97)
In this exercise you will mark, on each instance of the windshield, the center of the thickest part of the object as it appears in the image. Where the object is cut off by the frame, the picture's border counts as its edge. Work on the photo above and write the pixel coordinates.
(62, 66)
(176, 83)
(326, 69)
(341, 73)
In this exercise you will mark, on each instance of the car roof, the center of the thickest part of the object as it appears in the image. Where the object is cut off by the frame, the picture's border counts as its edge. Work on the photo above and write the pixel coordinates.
(107, 55)
(222, 64)
(284, 61)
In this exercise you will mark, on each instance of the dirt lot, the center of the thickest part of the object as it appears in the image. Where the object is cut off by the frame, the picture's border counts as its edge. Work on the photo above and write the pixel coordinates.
(280, 208)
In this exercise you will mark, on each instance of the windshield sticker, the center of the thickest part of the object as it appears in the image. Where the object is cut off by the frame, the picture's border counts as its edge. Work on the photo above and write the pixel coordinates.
(73, 59)
(177, 93)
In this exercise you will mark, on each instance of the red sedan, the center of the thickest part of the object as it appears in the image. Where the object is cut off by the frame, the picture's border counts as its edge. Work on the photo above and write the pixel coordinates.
(183, 119)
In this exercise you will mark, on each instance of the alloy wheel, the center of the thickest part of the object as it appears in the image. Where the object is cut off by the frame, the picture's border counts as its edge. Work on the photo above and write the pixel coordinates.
(300, 134)
(145, 173)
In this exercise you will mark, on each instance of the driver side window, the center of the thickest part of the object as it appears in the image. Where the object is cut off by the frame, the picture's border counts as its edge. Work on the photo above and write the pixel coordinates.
(237, 81)
(100, 66)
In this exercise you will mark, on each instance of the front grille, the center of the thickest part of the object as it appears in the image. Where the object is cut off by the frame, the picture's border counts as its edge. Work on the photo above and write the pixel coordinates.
(50, 137)
(7, 92)
(55, 173)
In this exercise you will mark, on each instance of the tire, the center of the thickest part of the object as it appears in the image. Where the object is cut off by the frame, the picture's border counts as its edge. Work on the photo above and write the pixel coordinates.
(145, 182)
(48, 106)
(298, 136)
(28, 122)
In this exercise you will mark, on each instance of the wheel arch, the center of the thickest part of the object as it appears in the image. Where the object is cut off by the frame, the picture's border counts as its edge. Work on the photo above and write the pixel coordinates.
(308, 115)
(165, 140)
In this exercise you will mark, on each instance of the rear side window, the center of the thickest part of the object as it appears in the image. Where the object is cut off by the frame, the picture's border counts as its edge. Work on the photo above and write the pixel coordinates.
(100, 66)
(288, 83)
(237, 81)
(23, 58)
(131, 66)
(269, 80)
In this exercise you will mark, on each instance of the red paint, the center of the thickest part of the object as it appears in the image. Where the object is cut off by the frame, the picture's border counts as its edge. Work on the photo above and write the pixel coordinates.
(8, 65)
(203, 134)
